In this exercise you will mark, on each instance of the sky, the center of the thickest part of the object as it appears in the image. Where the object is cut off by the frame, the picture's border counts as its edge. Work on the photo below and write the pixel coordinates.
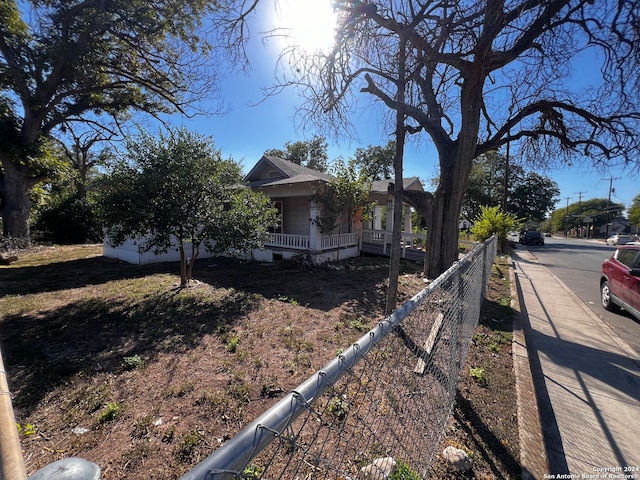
(254, 124)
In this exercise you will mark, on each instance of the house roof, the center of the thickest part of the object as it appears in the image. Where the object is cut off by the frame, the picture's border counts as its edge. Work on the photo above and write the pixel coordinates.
(276, 171)
(382, 186)
(270, 170)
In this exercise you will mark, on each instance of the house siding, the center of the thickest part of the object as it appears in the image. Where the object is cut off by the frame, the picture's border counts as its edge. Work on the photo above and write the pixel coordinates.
(296, 216)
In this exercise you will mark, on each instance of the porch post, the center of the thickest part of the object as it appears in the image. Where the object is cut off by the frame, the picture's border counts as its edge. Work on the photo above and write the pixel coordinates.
(390, 219)
(408, 228)
(314, 231)
(377, 217)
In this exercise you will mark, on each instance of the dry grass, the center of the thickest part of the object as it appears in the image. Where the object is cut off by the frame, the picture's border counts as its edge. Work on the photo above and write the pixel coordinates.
(158, 376)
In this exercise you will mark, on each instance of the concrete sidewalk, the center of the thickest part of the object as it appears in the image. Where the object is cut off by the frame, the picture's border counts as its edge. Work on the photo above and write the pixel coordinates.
(586, 381)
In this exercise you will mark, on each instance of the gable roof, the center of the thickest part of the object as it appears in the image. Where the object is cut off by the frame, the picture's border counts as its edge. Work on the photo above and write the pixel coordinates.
(272, 170)
(382, 186)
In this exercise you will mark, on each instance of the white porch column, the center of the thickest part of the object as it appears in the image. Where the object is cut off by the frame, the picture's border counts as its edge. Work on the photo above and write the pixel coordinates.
(314, 230)
(408, 228)
(377, 217)
(389, 222)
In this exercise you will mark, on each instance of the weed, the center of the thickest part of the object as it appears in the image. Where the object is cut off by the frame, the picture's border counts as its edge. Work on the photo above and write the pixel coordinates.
(186, 449)
(110, 412)
(292, 339)
(252, 471)
(137, 453)
(238, 389)
(338, 407)
(169, 433)
(359, 324)
(232, 340)
(285, 299)
(403, 471)
(180, 391)
(478, 375)
(216, 402)
(494, 346)
(143, 426)
(504, 301)
(28, 429)
(131, 363)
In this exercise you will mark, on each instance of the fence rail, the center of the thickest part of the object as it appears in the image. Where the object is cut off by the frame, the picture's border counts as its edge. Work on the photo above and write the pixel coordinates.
(383, 402)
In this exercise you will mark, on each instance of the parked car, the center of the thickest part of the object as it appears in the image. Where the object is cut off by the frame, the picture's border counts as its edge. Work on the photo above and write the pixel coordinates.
(620, 280)
(619, 239)
(546, 234)
(531, 237)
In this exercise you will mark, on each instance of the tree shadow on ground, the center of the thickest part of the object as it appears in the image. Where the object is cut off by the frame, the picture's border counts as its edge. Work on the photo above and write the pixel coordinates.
(44, 350)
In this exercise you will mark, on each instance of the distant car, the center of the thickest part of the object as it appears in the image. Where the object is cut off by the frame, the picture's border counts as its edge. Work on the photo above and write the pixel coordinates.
(531, 237)
(546, 234)
(620, 280)
(618, 239)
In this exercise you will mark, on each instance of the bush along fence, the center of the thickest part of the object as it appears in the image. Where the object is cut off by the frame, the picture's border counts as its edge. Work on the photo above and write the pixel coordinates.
(381, 406)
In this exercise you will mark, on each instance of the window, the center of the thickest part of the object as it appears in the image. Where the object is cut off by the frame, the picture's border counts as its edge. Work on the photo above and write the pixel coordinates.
(627, 256)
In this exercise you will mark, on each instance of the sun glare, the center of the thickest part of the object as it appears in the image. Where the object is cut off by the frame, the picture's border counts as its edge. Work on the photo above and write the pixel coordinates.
(308, 24)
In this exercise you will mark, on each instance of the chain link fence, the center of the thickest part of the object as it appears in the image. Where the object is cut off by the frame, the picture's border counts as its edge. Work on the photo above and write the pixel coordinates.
(381, 405)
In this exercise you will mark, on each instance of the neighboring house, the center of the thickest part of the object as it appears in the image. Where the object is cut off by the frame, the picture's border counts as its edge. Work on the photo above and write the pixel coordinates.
(293, 190)
(618, 225)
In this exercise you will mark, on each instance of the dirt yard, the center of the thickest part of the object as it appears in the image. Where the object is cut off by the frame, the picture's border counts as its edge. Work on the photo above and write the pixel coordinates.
(113, 363)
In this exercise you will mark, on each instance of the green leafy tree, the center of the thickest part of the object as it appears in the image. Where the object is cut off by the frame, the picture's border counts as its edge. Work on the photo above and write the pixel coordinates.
(532, 196)
(600, 210)
(634, 211)
(178, 189)
(485, 185)
(345, 195)
(493, 221)
(529, 195)
(376, 161)
(310, 153)
(83, 61)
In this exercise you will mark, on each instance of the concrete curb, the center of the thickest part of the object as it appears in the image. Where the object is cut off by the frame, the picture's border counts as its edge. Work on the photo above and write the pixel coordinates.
(533, 453)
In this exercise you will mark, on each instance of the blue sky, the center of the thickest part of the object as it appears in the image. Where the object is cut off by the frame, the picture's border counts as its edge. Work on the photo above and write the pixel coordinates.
(252, 126)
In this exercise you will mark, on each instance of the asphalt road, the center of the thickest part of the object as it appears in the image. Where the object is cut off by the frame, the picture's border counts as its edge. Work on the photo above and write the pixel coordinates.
(577, 264)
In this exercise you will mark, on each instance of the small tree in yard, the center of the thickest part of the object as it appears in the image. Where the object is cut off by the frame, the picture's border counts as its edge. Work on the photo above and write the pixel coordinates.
(345, 195)
(492, 220)
(178, 189)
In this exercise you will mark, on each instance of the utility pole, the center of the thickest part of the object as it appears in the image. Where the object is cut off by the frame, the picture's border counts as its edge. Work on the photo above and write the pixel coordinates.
(579, 210)
(566, 219)
(606, 233)
(506, 177)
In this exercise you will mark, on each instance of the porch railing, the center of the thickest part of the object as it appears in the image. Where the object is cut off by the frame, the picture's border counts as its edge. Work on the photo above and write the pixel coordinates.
(383, 238)
(302, 242)
(340, 240)
(287, 240)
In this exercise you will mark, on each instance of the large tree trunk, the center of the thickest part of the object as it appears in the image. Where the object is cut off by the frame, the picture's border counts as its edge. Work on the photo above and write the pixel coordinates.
(442, 231)
(15, 200)
(456, 160)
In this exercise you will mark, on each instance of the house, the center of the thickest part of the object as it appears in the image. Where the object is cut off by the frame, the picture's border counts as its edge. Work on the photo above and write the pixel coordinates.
(293, 190)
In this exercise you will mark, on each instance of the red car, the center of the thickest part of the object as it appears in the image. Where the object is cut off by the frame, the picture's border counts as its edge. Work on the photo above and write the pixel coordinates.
(620, 280)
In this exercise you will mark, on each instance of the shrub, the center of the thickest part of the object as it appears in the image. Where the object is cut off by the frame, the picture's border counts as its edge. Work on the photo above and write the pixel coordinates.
(492, 220)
